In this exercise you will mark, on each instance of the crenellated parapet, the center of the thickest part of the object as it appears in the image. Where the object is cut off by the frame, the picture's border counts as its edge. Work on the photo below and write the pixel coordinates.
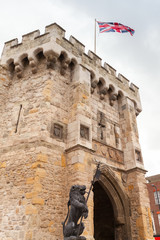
(55, 49)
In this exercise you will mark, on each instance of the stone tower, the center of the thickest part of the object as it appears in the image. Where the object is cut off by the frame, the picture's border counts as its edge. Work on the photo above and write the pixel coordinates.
(61, 112)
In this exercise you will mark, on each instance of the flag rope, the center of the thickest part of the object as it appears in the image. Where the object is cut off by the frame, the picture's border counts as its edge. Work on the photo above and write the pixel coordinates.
(95, 37)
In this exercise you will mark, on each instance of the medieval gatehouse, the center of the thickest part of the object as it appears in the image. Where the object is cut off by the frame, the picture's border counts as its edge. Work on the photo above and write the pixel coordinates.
(61, 113)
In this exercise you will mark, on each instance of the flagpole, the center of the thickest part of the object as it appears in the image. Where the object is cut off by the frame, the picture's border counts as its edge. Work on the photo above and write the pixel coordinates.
(95, 37)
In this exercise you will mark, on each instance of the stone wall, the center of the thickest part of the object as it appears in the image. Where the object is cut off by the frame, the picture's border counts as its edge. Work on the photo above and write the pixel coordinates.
(61, 113)
(32, 167)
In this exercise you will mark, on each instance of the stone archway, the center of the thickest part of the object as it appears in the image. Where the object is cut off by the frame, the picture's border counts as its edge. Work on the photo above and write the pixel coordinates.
(111, 208)
(103, 214)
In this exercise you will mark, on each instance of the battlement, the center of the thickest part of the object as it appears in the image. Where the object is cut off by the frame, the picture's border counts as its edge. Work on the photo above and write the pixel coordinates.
(52, 44)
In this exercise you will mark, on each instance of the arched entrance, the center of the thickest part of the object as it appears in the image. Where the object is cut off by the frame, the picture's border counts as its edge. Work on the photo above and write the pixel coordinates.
(111, 208)
(103, 215)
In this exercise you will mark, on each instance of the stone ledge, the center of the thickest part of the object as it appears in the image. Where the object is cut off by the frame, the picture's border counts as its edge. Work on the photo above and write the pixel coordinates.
(78, 147)
(28, 145)
(136, 169)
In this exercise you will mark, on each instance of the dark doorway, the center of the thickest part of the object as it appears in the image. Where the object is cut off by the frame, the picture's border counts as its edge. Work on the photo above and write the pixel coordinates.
(103, 215)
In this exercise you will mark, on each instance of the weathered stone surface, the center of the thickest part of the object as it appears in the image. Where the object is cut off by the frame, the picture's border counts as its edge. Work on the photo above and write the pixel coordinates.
(60, 113)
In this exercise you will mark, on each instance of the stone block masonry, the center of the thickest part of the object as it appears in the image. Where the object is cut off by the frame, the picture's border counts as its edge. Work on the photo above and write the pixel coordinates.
(62, 112)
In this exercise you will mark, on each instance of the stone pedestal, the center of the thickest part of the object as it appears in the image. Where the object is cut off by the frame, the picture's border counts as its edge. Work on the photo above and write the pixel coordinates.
(75, 238)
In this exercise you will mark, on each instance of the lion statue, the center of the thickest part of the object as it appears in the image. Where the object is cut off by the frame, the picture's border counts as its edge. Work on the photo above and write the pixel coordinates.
(77, 209)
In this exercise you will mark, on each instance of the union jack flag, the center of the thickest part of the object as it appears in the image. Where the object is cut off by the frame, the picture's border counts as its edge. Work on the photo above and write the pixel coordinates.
(114, 27)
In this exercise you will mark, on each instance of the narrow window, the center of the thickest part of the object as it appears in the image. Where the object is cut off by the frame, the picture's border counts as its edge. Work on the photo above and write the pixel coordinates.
(157, 197)
(84, 132)
(138, 156)
(58, 131)
(159, 219)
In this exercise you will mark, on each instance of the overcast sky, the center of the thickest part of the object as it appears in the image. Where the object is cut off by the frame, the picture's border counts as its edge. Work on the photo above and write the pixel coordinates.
(137, 57)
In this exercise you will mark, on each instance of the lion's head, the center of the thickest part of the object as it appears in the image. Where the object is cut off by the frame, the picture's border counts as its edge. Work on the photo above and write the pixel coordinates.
(80, 189)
